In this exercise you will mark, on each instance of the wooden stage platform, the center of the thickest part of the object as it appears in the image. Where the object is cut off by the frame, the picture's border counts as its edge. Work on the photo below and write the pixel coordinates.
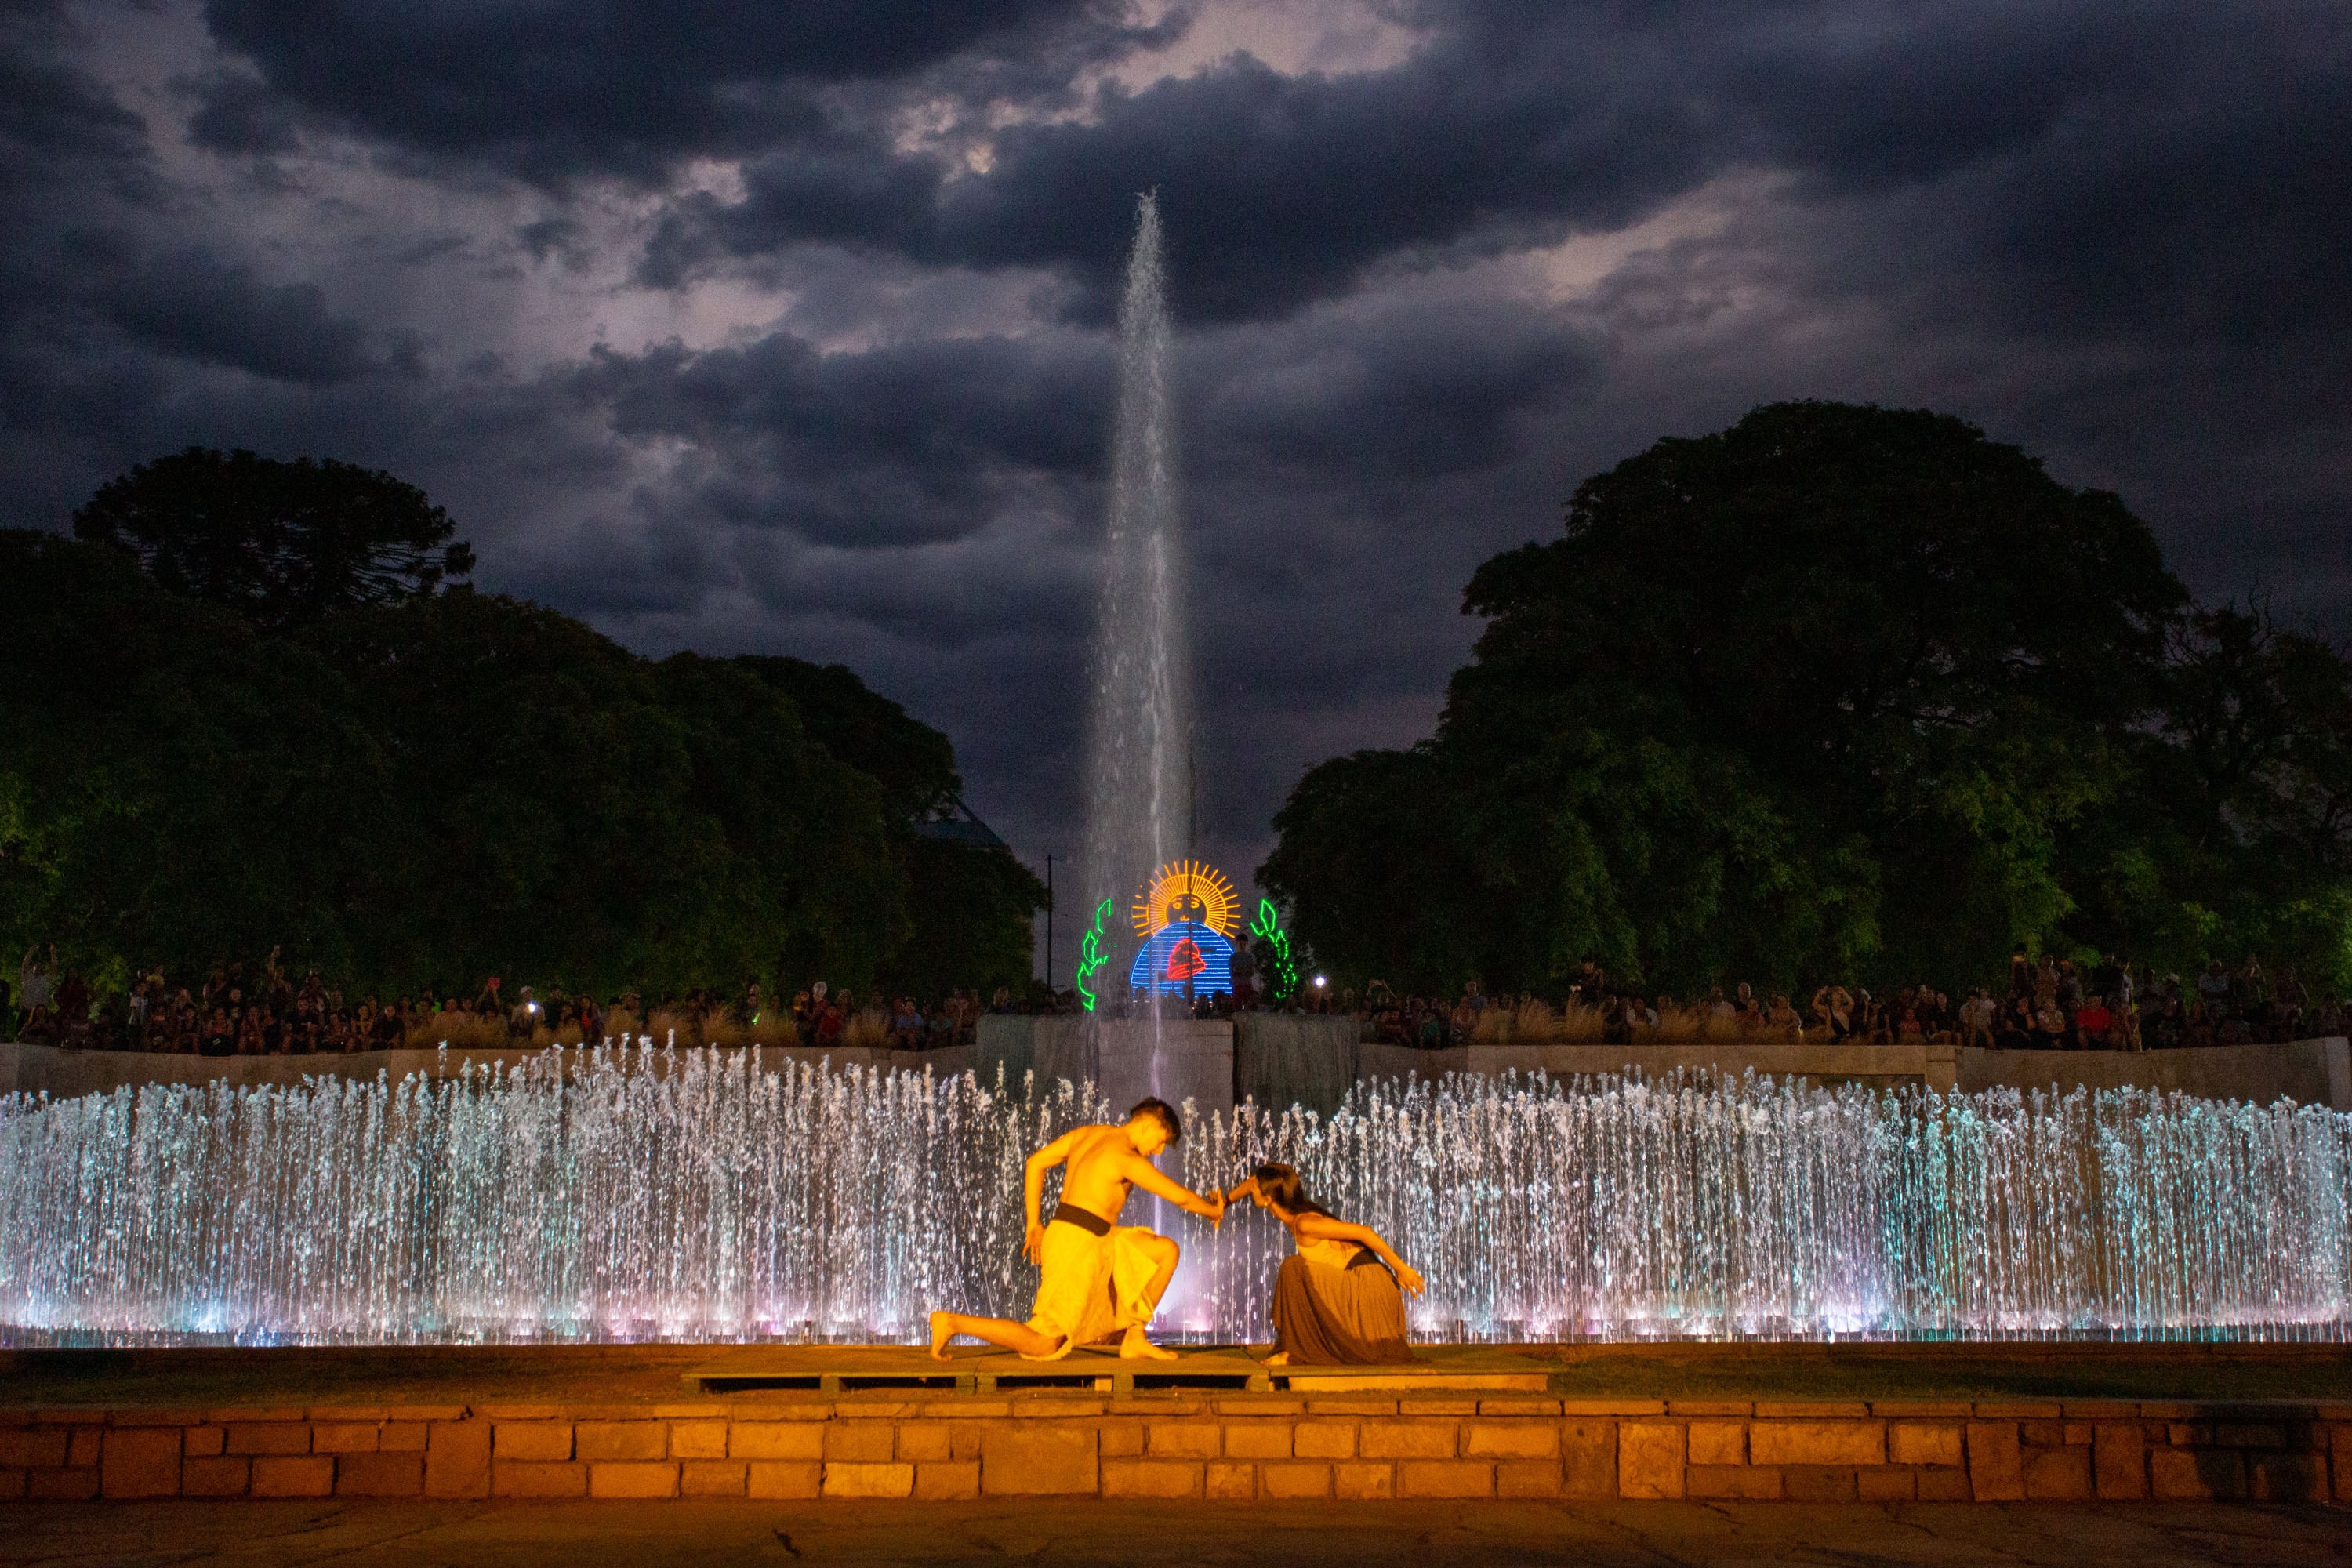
(981, 1370)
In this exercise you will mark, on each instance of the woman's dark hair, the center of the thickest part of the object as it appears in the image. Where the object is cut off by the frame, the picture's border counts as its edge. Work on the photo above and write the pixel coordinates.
(1281, 1187)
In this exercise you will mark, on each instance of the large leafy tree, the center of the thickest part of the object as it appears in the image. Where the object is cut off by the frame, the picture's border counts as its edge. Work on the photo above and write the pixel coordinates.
(426, 790)
(281, 544)
(1838, 690)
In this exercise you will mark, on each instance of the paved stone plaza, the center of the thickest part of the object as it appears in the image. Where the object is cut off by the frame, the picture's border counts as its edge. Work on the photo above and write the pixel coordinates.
(1147, 1534)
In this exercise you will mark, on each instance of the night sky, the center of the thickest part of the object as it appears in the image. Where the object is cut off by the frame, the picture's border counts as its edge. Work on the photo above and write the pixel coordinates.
(783, 326)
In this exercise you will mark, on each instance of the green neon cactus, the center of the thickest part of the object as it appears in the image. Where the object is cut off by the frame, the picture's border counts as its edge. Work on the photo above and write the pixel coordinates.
(1268, 924)
(1091, 956)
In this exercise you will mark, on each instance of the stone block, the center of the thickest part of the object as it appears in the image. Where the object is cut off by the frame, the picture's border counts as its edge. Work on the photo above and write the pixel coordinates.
(1810, 1409)
(531, 1442)
(1229, 1481)
(1151, 1478)
(711, 1477)
(2249, 1435)
(1511, 1440)
(1437, 1407)
(775, 1440)
(1122, 1439)
(2058, 1475)
(632, 1479)
(1588, 1457)
(930, 1442)
(268, 1437)
(1885, 1484)
(1184, 1440)
(698, 1440)
(1718, 1443)
(457, 1459)
(1527, 1478)
(214, 1475)
(1519, 1404)
(1612, 1407)
(1363, 1483)
(1996, 1474)
(293, 1475)
(1257, 1440)
(860, 1479)
(141, 1461)
(604, 1442)
(2341, 1464)
(1337, 1440)
(403, 1437)
(1925, 1443)
(1943, 1486)
(203, 1442)
(2288, 1477)
(1817, 1442)
(1406, 1440)
(1742, 1408)
(2079, 1432)
(1718, 1481)
(380, 1475)
(1029, 1460)
(532, 1477)
(154, 1417)
(344, 1437)
(1819, 1483)
(1445, 1479)
(860, 1442)
(2201, 1473)
(783, 1479)
(81, 1447)
(2119, 1460)
(1650, 1460)
(34, 1447)
(78, 1484)
(949, 1481)
(2041, 1434)
(1293, 1479)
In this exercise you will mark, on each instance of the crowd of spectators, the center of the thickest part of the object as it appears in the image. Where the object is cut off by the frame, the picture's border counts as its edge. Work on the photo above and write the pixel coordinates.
(2049, 1004)
(265, 1010)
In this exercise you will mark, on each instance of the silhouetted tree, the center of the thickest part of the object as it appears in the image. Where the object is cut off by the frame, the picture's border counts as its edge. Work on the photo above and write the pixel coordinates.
(281, 544)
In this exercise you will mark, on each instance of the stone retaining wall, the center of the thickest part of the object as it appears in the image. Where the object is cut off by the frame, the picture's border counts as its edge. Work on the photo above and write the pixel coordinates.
(1233, 1446)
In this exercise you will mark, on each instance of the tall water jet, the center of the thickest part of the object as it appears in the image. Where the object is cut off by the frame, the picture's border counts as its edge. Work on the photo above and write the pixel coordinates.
(1139, 766)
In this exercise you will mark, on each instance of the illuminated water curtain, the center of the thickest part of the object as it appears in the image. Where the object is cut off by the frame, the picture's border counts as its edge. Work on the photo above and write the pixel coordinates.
(1187, 916)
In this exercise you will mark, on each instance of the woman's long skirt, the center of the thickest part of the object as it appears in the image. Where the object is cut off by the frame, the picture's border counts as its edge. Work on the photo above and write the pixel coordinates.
(1340, 1317)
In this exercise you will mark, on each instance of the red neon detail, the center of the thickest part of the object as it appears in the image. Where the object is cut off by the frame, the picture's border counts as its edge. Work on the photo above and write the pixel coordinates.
(1184, 961)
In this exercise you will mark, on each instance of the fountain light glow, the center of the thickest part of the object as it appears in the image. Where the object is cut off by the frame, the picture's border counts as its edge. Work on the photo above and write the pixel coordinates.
(697, 1195)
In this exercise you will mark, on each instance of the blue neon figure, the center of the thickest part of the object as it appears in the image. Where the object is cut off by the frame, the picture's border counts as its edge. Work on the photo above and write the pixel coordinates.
(1184, 958)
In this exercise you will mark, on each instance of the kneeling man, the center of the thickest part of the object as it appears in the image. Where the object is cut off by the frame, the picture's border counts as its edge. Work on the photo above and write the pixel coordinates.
(1097, 1278)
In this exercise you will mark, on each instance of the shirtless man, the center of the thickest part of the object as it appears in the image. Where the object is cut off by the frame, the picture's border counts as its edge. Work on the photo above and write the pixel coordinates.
(1097, 1278)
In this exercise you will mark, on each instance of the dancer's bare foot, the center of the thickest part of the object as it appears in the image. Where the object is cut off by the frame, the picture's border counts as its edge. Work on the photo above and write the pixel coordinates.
(942, 1330)
(1136, 1347)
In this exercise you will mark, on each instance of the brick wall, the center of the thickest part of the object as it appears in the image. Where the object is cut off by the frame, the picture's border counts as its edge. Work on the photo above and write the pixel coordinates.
(1190, 1445)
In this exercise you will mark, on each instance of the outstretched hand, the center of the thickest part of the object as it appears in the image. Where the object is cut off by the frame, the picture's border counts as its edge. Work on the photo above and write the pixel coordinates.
(1410, 1278)
(1033, 1242)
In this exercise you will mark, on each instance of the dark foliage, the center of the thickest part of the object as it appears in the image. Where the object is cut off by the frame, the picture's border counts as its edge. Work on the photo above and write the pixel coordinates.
(1838, 691)
(451, 785)
(281, 544)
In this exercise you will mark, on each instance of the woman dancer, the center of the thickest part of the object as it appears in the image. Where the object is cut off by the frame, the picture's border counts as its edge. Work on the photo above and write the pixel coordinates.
(1339, 1299)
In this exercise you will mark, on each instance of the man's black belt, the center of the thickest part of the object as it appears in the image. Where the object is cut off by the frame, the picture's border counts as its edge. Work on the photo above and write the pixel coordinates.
(1080, 1217)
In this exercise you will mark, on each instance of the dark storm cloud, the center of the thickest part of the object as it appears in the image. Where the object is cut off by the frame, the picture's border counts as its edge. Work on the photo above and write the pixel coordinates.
(600, 87)
(2120, 234)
